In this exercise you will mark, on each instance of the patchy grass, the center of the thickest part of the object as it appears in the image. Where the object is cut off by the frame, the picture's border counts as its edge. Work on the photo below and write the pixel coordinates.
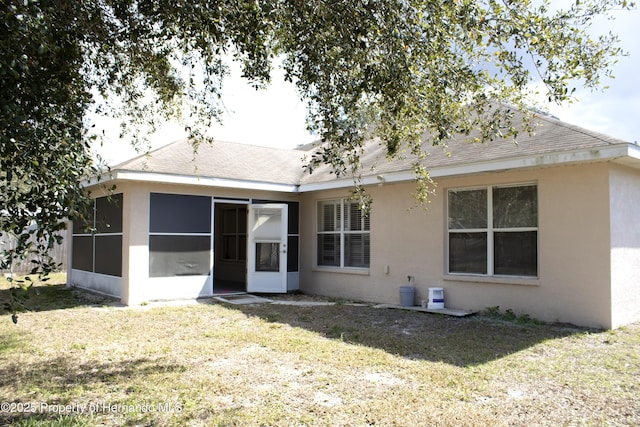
(50, 295)
(214, 364)
(54, 278)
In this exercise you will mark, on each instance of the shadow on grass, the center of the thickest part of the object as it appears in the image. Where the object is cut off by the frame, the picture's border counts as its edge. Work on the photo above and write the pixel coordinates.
(461, 342)
(69, 381)
(52, 297)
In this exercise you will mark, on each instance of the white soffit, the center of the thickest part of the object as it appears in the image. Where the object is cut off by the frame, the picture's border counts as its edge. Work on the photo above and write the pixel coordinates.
(139, 176)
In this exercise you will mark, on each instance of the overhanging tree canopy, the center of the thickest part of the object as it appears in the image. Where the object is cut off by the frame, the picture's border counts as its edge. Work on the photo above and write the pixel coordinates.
(396, 69)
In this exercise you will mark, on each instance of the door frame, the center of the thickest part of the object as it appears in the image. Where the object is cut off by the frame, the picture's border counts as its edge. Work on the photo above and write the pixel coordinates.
(217, 237)
(267, 281)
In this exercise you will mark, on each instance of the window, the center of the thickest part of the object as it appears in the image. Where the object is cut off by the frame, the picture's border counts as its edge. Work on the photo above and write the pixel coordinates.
(267, 257)
(234, 234)
(293, 237)
(343, 234)
(97, 238)
(493, 231)
(179, 235)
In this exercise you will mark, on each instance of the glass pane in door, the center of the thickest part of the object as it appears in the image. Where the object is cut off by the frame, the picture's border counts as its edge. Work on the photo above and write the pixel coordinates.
(267, 256)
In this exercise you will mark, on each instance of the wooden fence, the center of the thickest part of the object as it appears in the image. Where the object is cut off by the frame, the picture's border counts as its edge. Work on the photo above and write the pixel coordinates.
(59, 253)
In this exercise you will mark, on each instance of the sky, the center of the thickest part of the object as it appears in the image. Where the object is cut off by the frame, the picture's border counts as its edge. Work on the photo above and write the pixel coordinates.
(616, 110)
(275, 116)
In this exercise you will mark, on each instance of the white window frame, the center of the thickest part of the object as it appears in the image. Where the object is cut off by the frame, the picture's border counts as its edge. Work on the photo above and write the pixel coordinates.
(490, 230)
(344, 212)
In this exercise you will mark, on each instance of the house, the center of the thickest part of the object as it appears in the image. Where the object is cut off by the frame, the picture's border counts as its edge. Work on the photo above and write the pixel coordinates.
(547, 227)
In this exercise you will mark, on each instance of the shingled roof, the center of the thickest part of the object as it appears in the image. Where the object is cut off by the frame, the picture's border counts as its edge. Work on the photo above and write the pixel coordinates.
(252, 163)
(221, 159)
(551, 136)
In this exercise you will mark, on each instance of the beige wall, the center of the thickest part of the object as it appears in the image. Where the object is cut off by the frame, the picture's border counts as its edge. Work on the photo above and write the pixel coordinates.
(136, 285)
(135, 243)
(142, 288)
(589, 255)
(573, 249)
(625, 244)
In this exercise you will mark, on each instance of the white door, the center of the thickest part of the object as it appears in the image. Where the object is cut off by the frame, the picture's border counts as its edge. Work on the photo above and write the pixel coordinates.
(267, 248)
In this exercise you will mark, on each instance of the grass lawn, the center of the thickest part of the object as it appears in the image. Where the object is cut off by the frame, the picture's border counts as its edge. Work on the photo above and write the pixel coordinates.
(75, 360)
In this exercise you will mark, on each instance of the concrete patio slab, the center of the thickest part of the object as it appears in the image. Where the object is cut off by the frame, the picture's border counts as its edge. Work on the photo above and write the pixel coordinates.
(242, 299)
(446, 311)
(304, 303)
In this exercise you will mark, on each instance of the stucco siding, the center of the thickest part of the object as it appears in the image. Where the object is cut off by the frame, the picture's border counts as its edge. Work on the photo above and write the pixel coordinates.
(625, 245)
(588, 256)
(135, 255)
(100, 283)
(138, 287)
(573, 241)
(387, 235)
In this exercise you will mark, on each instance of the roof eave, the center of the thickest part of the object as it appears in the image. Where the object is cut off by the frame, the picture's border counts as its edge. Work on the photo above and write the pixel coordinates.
(152, 177)
(625, 153)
